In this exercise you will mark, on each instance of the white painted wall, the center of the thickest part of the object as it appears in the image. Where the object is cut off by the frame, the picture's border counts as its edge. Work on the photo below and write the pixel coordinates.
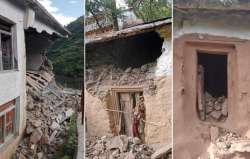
(227, 26)
(164, 62)
(12, 83)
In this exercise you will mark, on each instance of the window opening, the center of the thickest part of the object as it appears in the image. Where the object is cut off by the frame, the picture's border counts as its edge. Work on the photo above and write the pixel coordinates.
(212, 87)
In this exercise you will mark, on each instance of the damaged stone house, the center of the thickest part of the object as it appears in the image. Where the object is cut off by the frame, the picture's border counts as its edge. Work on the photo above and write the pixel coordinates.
(121, 66)
(26, 30)
(99, 23)
(211, 80)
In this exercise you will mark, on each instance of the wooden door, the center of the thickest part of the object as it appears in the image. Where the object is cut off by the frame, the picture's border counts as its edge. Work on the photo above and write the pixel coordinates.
(126, 106)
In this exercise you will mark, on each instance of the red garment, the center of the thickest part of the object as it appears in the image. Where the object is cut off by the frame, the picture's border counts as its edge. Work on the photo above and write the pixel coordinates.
(136, 127)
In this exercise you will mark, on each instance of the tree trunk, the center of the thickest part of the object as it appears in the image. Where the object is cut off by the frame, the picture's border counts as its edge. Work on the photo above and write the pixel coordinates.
(115, 22)
(114, 13)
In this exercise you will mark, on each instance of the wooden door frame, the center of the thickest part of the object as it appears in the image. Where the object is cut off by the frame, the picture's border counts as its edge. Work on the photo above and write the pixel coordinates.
(114, 91)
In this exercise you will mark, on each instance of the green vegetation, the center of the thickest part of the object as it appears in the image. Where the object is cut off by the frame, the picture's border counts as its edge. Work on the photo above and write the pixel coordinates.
(147, 10)
(69, 149)
(106, 7)
(67, 54)
(150, 10)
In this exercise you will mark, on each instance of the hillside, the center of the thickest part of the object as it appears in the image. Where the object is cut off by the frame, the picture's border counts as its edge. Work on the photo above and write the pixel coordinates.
(67, 54)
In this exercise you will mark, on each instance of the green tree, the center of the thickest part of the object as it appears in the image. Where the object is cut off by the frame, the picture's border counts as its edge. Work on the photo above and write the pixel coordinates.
(67, 54)
(150, 10)
(106, 7)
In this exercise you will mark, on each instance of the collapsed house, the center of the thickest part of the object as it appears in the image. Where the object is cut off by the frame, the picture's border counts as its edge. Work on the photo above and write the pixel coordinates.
(121, 66)
(211, 80)
(26, 30)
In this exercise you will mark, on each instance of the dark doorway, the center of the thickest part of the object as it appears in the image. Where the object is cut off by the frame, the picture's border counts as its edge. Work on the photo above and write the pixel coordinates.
(215, 73)
(212, 89)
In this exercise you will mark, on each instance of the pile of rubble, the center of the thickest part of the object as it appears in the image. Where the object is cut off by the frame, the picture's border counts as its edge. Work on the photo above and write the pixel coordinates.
(117, 147)
(215, 108)
(229, 144)
(98, 79)
(48, 114)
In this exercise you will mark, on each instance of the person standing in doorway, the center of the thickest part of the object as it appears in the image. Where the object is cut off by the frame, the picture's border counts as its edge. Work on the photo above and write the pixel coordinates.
(136, 123)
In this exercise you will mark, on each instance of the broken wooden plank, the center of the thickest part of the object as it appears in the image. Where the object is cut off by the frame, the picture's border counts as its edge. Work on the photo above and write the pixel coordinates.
(33, 84)
(47, 76)
(39, 78)
(44, 75)
(36, 81)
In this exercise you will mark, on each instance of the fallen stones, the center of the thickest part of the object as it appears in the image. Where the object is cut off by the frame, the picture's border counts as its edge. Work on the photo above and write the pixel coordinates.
(129, 155)
(40, 155)
(36, 136)
(216, 115)
(52, 137)
(54, 126)
(21, 156)
(136, 140)
(228, 144)
(118, 142)
(46, 122)
(216, 109)
(109, 75)
(36, 123)
(163, 152)
(117, 147)
(29, 129)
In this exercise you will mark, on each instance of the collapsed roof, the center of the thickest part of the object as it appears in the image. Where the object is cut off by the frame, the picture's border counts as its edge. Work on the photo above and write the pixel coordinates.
(131, 31)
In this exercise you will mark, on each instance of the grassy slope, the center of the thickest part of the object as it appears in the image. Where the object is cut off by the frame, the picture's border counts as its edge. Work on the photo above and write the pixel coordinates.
(67, 54)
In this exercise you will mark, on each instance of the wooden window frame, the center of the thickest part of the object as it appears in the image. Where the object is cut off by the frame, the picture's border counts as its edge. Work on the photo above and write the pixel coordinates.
(4, 110)
(11, 33)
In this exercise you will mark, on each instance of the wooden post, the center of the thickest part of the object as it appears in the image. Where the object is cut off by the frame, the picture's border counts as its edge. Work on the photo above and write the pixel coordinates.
(200, 92)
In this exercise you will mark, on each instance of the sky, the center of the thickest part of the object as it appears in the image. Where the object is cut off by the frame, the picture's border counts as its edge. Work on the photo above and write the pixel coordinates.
(121, 3)
(65, 11)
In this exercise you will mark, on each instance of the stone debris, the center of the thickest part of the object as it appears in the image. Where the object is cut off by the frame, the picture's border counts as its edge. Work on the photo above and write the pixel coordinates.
(47, 117)
(215, 108)
(117, 147)
(228, 144)
(98, 79)
(164, 152)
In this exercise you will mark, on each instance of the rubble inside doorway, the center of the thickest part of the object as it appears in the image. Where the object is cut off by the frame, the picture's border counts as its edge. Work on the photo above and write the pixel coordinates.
(216, 108)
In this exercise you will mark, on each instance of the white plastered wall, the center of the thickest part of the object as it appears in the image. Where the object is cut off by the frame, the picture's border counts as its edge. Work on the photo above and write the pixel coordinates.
(227, 26)
(12, 83)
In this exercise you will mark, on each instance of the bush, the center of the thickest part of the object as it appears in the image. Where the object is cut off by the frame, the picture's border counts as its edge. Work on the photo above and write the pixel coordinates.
(69, 149)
